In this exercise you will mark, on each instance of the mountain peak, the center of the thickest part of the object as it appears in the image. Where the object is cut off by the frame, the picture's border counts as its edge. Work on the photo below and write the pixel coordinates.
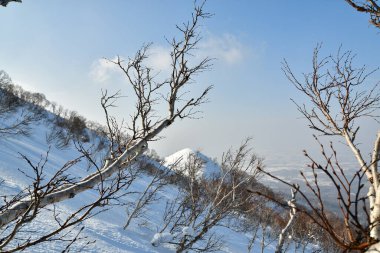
(179, 160)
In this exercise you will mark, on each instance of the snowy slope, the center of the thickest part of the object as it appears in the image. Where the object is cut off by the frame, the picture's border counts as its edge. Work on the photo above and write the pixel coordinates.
(107, 227)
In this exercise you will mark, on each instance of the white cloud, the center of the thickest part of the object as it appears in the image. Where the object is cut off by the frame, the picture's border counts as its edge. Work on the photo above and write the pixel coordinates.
(102, 70)
(226, 48)
(159, 58)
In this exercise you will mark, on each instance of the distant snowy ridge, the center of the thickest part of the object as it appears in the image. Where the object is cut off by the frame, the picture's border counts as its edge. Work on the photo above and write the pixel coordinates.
(180, 160)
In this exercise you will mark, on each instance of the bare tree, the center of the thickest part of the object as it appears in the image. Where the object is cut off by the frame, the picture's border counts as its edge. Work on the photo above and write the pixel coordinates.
(340, 97)
(268, 232)
(125, 144)
(370, 7)
(18, 235)
(150, 194)
(264, 217)
(254, 229)
(202, 205)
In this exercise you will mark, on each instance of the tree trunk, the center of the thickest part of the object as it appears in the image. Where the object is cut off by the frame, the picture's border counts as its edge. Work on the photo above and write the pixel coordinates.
(17, 209)
(292, 214)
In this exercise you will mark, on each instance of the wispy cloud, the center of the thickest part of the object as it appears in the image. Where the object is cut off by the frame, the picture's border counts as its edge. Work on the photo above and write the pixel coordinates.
(102, 70)
(226, 48)
(159, 58)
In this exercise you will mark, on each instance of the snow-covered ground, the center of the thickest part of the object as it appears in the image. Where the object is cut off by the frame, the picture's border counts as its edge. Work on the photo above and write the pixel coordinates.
(107, 227)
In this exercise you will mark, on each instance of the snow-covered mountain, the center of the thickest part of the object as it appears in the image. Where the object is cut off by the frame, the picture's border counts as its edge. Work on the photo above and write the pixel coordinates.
(106, 228)
(179, 160)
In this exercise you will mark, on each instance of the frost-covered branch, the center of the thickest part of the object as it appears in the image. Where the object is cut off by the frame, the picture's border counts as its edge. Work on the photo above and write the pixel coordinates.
(292, 215)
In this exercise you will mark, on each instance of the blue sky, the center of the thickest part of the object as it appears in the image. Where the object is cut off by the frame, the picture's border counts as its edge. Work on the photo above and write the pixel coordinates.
(56, 47)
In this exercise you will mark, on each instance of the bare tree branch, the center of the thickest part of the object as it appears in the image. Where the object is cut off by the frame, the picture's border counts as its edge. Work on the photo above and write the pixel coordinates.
(339, 96)
(370, 7)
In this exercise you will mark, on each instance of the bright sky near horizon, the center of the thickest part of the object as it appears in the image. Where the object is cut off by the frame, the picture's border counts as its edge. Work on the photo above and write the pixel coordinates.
(56, 48)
